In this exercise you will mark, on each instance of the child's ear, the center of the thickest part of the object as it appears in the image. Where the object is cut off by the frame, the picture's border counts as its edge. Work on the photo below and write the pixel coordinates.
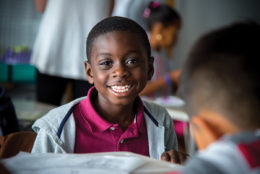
(89, 73)
(204, 132)
(150, 68)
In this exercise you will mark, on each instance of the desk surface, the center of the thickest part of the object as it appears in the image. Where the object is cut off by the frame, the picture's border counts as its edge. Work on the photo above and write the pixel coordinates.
(178, 114)
(174, 105)
(29, 110)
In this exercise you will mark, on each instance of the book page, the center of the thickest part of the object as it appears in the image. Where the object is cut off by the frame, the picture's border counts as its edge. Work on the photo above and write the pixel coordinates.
(93, 163)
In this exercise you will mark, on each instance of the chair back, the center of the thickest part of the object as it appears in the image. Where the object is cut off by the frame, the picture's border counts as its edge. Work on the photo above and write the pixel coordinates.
(13, 143)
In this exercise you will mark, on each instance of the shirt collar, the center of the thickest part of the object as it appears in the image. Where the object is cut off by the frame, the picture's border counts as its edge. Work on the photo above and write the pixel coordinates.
(97, 123)
(140, 121)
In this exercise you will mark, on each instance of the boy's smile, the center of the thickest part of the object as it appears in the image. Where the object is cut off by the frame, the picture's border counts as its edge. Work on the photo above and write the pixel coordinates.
(119, 68)
(120, 89)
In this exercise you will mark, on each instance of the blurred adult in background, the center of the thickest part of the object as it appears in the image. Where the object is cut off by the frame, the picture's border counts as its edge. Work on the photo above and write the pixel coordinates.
(58, 52)
(163, 24)
(134, 9)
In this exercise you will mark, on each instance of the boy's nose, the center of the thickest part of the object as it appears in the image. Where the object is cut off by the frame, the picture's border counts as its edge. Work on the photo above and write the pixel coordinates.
(120, 71)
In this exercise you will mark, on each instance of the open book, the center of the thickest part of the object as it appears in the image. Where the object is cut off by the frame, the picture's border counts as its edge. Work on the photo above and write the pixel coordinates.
(92, 163)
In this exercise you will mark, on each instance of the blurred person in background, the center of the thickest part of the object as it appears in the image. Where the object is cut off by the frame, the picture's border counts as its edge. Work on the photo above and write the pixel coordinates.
(163, 24)
(58, 52)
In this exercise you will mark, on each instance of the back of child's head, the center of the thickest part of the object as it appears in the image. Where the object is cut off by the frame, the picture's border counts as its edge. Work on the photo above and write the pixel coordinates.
(222, 74)
(114, 24)
(161, 13)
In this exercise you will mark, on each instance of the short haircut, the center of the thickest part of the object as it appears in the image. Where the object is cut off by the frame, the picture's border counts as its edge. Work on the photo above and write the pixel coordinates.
(115, 23)
(222, 74)
(163, 14)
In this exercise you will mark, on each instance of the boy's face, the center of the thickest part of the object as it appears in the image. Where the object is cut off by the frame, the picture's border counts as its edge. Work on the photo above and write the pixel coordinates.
(119, 67)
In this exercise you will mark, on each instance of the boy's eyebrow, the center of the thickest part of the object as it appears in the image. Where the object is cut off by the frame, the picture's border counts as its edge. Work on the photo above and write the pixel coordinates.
(128, 52)
(103, 54)
(134, 51)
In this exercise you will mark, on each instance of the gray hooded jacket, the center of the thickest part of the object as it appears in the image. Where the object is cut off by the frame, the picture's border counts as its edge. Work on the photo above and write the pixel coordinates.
(56, 130)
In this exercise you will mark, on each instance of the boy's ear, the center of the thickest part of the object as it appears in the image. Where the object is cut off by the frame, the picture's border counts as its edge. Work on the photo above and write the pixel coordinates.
(150, 68)
(204, 132)
(89, 73)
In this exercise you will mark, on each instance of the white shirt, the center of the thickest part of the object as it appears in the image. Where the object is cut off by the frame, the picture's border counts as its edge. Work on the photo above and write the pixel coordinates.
(60, 46)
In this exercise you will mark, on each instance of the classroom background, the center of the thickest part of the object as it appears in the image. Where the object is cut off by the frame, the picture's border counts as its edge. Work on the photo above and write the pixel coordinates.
(19, 23)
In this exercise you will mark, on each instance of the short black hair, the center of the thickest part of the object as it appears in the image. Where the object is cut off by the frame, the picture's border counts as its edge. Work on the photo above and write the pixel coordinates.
(117, 23)
(222, 74)
(161, 13)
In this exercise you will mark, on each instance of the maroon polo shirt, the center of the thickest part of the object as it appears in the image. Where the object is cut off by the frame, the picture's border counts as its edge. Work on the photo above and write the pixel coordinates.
(94, 134)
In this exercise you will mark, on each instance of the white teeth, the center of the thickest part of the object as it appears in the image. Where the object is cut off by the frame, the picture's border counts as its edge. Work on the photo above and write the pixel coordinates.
(120, 88)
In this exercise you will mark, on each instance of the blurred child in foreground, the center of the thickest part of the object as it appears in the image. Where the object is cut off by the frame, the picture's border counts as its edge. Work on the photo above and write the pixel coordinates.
(220, 84)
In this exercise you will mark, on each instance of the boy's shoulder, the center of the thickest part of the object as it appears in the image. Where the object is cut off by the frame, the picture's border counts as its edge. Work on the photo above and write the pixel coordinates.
(153, 106)
(157, 111)
(54, 117)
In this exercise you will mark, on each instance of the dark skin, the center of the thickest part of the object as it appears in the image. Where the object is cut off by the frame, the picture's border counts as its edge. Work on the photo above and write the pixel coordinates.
(119, 68)
(118, 62)
(174, 156)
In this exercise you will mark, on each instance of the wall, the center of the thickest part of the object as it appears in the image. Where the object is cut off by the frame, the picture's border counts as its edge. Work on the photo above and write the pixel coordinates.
(19, 23)
(200, 16)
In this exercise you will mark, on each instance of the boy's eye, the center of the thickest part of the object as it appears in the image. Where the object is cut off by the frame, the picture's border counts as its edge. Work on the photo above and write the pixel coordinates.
(106, 63)
(131, 61)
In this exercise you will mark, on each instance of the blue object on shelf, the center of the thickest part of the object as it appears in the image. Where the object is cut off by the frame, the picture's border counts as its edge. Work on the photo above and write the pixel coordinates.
(15, 67)
(18, 54)
(23, 73)
(17, 73)
(4, 72)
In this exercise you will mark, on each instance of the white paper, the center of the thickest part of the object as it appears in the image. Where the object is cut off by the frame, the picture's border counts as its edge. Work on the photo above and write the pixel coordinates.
(94, 163)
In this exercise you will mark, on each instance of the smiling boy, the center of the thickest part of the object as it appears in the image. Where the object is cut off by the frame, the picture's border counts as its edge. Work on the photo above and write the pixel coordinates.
(112, 117)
